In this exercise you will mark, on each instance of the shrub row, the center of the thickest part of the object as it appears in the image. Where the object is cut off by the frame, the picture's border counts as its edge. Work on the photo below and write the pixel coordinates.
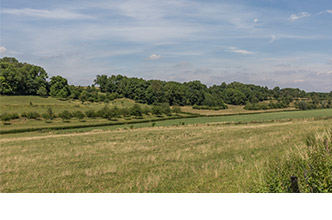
(262, 106)
(106, 112)
(205, 107)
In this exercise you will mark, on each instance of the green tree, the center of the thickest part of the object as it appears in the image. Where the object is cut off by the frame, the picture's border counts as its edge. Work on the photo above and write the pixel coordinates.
(42, 91)
(136, 110)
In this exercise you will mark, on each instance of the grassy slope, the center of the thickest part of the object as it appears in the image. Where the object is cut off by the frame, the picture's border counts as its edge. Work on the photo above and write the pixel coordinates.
(20, 104)
(192, 158)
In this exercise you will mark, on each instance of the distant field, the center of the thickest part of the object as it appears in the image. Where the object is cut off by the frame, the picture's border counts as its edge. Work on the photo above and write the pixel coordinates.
(189, 158)
(20, 104)
(232, 109)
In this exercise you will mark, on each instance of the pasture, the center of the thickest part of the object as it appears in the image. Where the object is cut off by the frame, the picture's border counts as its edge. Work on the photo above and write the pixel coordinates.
(213, 157)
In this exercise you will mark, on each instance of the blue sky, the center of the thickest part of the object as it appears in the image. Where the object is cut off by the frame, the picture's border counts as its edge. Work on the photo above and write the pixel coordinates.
(266, 42)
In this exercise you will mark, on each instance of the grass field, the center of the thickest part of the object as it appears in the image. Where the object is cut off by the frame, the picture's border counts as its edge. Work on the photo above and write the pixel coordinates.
(190, 158)
(20, 104)
(202, 154)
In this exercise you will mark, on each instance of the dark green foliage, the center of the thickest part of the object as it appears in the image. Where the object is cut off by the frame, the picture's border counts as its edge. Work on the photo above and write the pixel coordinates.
(302, 105)
(157, 110)
(176, 110)
(46, 116)
(204, 107)
(90, 114)
(9, 116)
(65, 115)
(146, 110)
(42, 91)
(50, 113)
(136, 110)
(30, 115)
(125, 112)
(20, 78)
(313, 168)
(79, 115)
(263, 106)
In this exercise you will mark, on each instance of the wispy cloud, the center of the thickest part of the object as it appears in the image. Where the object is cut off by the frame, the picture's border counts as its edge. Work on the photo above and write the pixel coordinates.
(325, 12)
(273, 38)
(154, 57)
(3, 50)
(295, 17)
(47, 14)
(239, 51)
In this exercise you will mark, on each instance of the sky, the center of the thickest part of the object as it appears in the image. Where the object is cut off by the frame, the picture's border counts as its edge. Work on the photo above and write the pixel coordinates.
(264, 42)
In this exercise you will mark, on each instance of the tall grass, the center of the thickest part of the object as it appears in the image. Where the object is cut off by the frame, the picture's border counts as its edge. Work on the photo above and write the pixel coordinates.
(312, 167)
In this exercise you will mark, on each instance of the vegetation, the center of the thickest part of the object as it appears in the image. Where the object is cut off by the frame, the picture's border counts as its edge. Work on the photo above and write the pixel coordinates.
(181, 158)
(174, 151)
(25, 79)
(312, 166)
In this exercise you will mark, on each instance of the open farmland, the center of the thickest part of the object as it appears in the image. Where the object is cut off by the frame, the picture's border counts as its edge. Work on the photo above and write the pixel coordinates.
(191, 158)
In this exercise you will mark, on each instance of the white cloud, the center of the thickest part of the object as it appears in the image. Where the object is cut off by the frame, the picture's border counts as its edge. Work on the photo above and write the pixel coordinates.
(240, 51)
(329, 11)
(298, 80)
(3, 50)
(49, 14)
(255, 20)
(297, 16)
(273, 38)
(154, 57)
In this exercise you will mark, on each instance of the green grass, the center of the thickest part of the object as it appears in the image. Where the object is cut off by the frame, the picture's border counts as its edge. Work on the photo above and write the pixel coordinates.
(20, 104)
(191, 158)
(320, 113)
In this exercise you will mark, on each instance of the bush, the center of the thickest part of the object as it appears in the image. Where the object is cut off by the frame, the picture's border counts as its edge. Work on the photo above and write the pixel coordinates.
(125, 112)
(30, 115)
(136, 110)
(146, 110)
(46, 116)
(313, 168)
(50, 113)
(104, 112)
(5, 117)
(176, 110)
(79, 115)
(90, 114)
(157, 110)
(205, 107)
(65, 115)
(113, 113)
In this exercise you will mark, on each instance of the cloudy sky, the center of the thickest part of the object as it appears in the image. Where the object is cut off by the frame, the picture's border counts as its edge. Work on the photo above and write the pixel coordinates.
(267, 42)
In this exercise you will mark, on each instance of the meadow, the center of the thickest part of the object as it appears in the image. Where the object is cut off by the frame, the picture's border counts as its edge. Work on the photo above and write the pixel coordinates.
(200, 157)
(20, 104)
(224, 153)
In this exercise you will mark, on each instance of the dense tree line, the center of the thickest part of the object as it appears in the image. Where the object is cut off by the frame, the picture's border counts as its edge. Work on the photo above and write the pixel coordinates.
(26, 79)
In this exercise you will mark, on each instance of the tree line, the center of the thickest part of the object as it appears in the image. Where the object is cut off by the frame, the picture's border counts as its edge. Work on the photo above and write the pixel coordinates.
(18, 78)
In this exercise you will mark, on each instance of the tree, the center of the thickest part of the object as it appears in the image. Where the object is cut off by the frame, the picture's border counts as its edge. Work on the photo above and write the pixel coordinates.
(58, 87)
(176, 110)
(42, 91)
(65, 115)
(78, 114)
(136, 110)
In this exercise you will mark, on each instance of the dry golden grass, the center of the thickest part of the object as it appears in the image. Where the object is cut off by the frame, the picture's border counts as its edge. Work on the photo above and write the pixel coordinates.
(193, 158)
